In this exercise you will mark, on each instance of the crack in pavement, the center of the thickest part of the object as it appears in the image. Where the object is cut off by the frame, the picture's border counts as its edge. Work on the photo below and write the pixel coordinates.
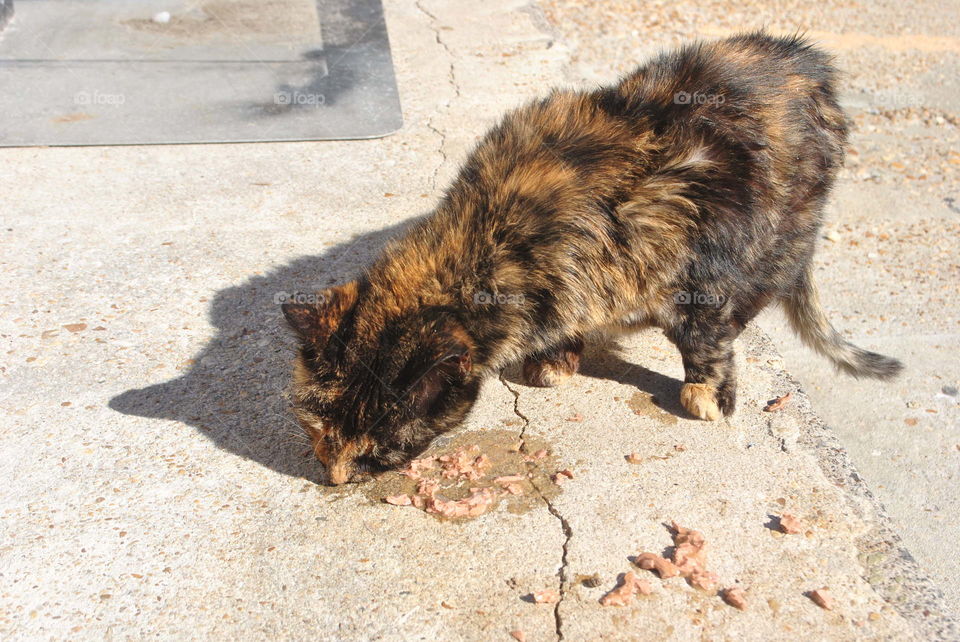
(436, 32)
(452, 80)
(564, 524)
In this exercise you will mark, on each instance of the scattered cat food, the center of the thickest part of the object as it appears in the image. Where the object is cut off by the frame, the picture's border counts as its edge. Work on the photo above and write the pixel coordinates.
(575, 417)
(822, 598)
(689, 549)
(417, 467)
(537, 456)
(790, 524)
(515, 489)
(735, 597)
(473, 506)
(465, 462)
(561, 475)
(519, 636)
(704, 580)
(546, 596)
(635, 458)
(467, 482)
(779, 403)
(592, 581)
(689, 559)
(623, 594)
(653, 562)
(428, 487)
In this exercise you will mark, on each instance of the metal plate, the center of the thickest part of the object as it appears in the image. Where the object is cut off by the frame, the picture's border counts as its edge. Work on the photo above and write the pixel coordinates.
(109, 72)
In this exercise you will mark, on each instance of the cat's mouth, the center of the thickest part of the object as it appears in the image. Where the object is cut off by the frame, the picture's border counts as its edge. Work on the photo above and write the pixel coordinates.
(361, 470)
(348, 464)
(339, 473)
(356, 476)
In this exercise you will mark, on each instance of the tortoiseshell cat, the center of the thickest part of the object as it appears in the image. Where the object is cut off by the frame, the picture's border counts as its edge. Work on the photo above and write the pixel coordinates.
(686, 197)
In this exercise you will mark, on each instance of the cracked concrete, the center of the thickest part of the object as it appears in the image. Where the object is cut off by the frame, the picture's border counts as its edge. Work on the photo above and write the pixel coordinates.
(159, 487)
(564, 524)
(441, 149)
(562, 573)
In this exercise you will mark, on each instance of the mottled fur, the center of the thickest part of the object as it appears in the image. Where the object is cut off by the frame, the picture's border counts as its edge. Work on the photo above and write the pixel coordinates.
(700, 176)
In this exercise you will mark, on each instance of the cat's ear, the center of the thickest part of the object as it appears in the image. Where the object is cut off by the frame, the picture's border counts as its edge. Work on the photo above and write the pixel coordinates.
(451, 368)
(316, 319)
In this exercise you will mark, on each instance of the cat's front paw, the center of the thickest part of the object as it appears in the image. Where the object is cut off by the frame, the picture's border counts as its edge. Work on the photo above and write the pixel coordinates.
(700, 400)
(547, 374)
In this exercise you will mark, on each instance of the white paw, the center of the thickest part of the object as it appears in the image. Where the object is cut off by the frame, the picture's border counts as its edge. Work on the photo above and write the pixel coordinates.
(700, 400)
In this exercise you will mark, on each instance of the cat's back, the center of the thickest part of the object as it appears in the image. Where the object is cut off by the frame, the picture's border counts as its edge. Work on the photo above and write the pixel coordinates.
(760, 110)
(744, 127)
(761, 92)
(749, 70)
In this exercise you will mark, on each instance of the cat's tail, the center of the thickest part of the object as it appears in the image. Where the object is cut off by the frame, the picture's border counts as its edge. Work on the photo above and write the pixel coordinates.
(814, 329)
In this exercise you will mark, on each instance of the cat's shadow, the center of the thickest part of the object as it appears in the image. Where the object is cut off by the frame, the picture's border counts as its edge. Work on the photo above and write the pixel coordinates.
(603, 359)
(235, 390)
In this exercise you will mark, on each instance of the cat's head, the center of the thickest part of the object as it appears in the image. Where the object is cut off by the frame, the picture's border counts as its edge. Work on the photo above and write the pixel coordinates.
(373, 387)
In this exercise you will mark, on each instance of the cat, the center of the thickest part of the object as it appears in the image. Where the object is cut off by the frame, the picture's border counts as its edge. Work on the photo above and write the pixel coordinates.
(688, 196)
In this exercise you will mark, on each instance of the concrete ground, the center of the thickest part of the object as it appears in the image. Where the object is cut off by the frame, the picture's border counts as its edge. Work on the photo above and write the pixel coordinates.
(158, 485)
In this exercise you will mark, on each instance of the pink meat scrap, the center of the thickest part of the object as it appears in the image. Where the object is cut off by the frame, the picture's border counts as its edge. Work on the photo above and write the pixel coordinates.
(474, 505)
(623, 594)
(465, 462)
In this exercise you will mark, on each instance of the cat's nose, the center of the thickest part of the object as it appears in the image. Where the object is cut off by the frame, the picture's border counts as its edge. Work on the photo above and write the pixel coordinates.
(341, 466)
(351, 477)
(338, 474)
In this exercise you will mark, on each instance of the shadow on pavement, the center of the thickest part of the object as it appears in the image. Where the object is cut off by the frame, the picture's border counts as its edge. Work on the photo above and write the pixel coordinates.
(235, 390)
(602, 359)
(605, 361)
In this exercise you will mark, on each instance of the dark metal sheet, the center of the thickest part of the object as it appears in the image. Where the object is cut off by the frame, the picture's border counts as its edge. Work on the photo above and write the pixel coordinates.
(104, 72)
